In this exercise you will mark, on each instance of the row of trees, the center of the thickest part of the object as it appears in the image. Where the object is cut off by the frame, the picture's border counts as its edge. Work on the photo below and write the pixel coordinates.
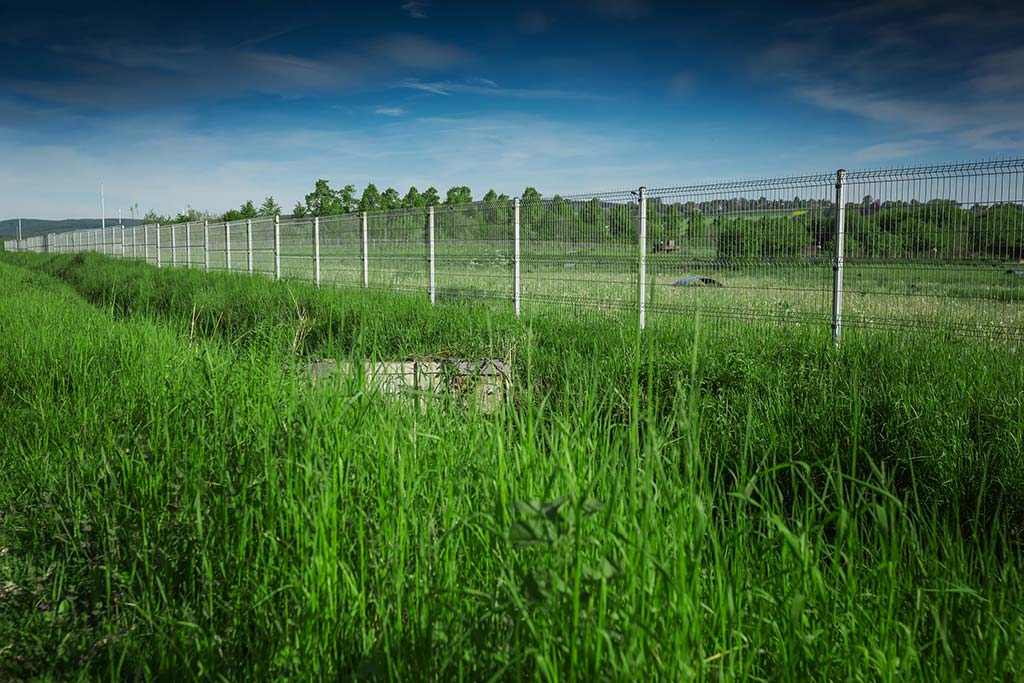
(734, 228)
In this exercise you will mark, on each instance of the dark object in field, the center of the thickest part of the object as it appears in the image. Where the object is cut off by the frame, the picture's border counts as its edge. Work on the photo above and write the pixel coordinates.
(569, 265)
(1015, 272)
(697, 280)
(664, 246)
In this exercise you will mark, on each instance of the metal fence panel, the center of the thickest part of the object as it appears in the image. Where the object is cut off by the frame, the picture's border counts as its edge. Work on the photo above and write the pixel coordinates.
(933, 248)
(757, 250)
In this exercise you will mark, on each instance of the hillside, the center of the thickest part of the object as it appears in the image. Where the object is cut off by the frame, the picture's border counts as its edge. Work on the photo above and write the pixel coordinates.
(38, 226)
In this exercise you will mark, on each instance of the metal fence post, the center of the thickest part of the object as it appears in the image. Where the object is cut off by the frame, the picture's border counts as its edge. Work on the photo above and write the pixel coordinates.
(277, 247)
(227, 244)
(642, 270)
(158, 257)
(206, 245)
(121, 226)
(837, 263)
(248, 242)
(515, 256)
(174, 247)
(188, 244)
(366, 255)
(430, 252)
(316, 248)
(145, 242)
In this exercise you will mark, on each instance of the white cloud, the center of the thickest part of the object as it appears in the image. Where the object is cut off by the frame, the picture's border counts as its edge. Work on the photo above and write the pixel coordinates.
(484, 86)
(216, 171)
(107, 75)
(417, 9)
(390, 111)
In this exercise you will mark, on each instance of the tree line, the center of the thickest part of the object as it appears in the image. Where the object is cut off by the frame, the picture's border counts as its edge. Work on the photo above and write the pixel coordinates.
(733, 228)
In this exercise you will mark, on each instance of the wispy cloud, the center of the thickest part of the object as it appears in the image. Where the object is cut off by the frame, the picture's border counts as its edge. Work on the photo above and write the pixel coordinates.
(936, 72)
(390, 111)
(886, 151)
(105, 75)
(483, 86)
(417, 9)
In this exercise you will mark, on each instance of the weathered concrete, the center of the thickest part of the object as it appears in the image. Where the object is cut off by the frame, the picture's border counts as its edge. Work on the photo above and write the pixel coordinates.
(425, 380)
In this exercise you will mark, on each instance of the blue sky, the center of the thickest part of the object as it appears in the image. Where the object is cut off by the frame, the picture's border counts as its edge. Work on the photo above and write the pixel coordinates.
(172, 105)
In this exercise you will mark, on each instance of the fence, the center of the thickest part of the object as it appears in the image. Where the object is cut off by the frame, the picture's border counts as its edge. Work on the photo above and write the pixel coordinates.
(936, 248)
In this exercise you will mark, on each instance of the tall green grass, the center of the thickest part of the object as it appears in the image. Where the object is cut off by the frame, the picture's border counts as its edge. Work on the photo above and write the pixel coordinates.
(178, 503)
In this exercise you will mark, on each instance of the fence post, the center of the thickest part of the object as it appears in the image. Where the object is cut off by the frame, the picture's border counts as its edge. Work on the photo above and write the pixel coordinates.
(515, 256)
(837, 263)
(642, 270)
(316, 247)
(248, 242)
(158, 258)
(121, 226)
(227, 244)
(366, 254)
(206, 245)
(188, 244)
(174, 247)
(430, 253)
(277, 247)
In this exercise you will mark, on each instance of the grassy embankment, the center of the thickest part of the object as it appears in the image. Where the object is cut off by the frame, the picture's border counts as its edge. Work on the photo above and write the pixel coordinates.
(176, 502)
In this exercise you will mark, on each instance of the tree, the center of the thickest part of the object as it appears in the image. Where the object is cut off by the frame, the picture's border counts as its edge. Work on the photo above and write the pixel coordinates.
(189, 215)
(458, 195)
(299, 211)
(695, 224)
(390, 199)
(269, 207)
(431, 197)
(347, 199)
(413, 199)
(370, 201)
(323, 201)
(154, 217)
(248, 210)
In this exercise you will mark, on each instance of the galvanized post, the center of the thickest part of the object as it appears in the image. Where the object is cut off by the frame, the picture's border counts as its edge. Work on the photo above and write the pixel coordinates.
(248, 242)
(837, 263)
(145, 242)
(430, 251)
(158, 257)
(316, 248)
(174, 247)
(121, 226)
(642, 271)
(277, 247)
(227, 244)
(188, 244)
(515, 256)
(206, 245)
(366, 254)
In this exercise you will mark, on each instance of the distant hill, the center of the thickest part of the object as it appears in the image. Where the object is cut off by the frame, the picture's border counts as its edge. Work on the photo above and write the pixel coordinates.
(31, 227)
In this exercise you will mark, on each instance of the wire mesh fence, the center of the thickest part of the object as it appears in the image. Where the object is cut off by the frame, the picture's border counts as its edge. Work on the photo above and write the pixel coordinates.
(935, 248)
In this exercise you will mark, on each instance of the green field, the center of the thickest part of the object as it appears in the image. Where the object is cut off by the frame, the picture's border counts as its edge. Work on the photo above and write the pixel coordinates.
(977, 298)
(702, 501)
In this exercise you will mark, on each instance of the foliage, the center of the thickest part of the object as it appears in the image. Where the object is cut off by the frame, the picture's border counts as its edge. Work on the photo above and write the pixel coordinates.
(180, 501)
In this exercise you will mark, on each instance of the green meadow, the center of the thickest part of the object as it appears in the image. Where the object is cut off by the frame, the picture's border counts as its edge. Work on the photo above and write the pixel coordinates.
(702, 501)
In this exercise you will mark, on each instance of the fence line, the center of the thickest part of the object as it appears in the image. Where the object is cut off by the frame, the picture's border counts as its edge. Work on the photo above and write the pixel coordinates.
(936, 248)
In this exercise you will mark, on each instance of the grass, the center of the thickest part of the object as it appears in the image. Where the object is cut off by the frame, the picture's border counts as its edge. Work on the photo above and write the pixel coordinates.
(176, 503)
